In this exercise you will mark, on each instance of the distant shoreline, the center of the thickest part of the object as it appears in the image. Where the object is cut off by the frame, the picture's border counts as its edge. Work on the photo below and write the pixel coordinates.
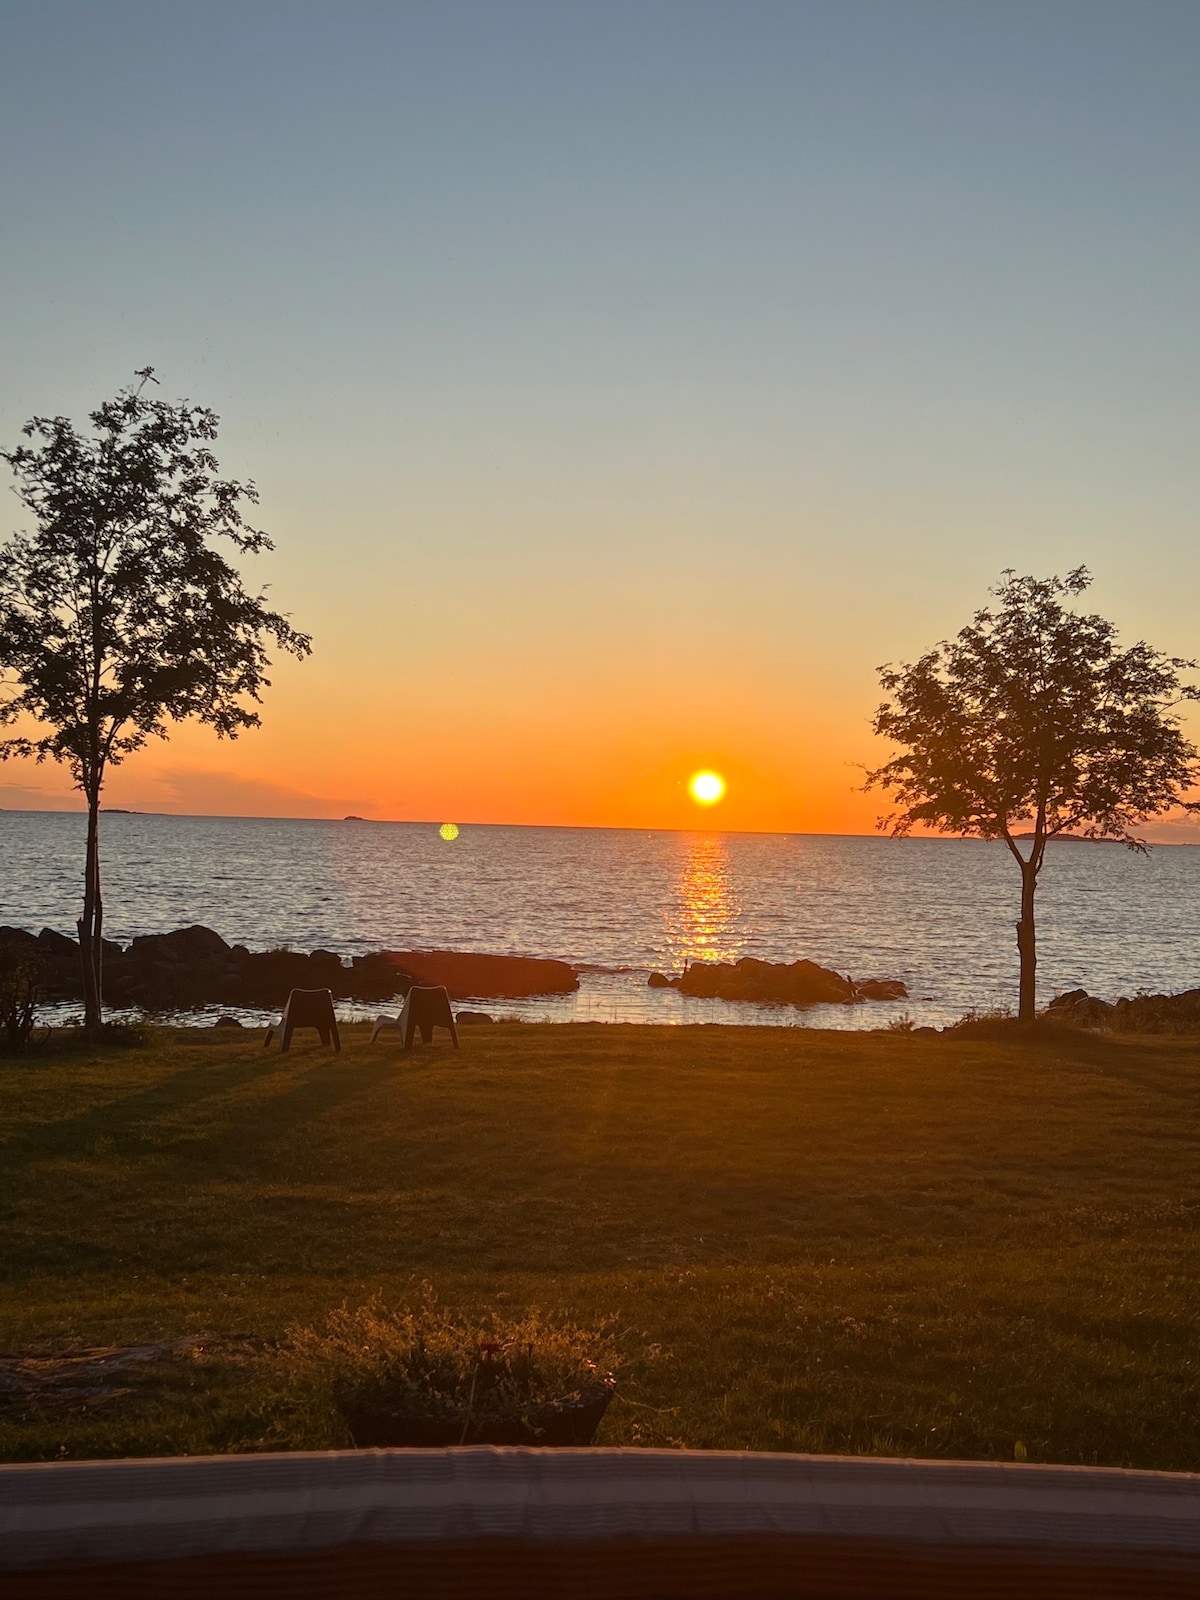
(568, 827)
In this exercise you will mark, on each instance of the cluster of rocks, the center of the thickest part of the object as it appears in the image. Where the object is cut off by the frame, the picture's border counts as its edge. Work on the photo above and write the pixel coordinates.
(196, 967)
(1145, 1013)
(799, 983)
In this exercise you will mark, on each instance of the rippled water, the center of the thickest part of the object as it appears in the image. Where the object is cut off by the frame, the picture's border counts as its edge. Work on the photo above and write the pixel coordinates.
(937, 913)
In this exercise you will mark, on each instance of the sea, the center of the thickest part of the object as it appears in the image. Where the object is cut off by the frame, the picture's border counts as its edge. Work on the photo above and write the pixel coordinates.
(619, 904)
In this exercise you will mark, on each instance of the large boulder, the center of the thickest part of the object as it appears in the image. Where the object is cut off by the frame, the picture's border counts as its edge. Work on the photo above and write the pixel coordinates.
(267, 977)
(1080, 1009)
(194, 946)
(796, 983)
(881, 989)
(62, 975)
(376, 977)
(465, 973)
(162, 971)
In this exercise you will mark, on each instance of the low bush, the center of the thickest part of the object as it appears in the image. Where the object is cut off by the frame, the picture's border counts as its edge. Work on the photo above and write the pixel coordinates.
(428, 1361)
(21, 974)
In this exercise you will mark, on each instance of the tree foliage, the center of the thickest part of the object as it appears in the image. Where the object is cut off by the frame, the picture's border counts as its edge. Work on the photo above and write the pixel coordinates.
(118, 615)
(1035, 717)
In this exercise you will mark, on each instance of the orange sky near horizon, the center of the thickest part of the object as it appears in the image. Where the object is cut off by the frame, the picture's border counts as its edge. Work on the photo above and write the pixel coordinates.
(536, 760)
(542, 763)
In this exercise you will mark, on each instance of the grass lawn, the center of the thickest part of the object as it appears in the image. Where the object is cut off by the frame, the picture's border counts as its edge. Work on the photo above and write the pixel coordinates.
(814, 1241)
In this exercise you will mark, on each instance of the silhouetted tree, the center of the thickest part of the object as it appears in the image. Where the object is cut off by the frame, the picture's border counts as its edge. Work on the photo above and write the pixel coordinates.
(117, 614)
(1033, 715)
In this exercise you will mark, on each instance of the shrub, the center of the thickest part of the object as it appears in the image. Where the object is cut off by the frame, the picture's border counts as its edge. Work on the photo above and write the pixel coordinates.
(21, 972)
(428, 1361)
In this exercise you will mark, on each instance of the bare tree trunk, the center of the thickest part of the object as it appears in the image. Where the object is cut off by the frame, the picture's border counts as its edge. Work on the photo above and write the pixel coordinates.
(91, 923)
(1027, 942)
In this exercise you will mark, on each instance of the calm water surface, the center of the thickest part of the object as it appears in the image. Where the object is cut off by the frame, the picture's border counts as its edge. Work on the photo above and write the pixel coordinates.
(937, 913)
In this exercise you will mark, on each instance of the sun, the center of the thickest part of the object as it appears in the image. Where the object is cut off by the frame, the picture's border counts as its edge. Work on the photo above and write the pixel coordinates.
(706, 788)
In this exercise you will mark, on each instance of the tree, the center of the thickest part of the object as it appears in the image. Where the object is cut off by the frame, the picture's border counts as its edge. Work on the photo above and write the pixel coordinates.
(1034, 716)
(117, 614)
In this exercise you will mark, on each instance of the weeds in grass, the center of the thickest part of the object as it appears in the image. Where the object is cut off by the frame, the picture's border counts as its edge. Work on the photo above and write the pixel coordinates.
(427, 1360)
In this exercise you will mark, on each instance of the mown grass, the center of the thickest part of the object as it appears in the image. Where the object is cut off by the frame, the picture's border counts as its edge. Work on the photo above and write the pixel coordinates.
(814, 1241)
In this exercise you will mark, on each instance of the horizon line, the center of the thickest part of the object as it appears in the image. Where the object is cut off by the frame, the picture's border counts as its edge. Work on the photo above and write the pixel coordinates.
(564, 827)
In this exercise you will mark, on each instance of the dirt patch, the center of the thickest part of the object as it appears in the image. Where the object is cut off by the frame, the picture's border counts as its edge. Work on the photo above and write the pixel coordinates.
(80, 1379)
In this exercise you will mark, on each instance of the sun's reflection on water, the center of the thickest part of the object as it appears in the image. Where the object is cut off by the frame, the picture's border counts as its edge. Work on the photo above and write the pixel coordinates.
(702, 922)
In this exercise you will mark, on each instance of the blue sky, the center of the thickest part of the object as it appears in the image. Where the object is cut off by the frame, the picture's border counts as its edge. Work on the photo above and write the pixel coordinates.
(699, 353)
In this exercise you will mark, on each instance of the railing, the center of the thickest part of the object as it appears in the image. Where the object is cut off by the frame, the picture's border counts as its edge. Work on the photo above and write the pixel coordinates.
(587, 1524)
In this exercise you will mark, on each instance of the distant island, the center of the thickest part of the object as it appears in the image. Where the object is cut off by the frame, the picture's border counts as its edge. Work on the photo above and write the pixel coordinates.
(1068, 838)
(118, 811)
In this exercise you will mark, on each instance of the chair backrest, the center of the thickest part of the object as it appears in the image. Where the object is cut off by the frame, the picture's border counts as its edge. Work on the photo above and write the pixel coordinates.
(428, 1000)
(308, 1006)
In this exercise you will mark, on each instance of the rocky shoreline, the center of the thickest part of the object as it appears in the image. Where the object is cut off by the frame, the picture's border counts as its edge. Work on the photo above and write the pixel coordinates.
(1144, 1013)
(195, 966)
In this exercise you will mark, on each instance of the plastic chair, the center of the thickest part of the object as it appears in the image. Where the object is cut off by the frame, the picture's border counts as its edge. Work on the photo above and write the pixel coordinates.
(424, 1008)
(307, 1008)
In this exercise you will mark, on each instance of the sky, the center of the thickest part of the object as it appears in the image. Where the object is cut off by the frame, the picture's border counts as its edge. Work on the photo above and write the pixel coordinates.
(624, 383)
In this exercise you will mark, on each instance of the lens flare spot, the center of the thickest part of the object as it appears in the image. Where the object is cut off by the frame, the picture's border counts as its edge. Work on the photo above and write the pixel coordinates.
(706, 788)
(449, 830)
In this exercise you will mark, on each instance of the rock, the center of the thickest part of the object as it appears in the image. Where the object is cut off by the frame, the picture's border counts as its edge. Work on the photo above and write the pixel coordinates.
(471, 1018)
(1079, 1009)
(268, 976)
(656, 980)
(57, 944)
(881, 989)
(1070, 998)
(196, 945)
(927, 1031)
(465, 973)
(798, 983)
(227, 1022)
(376, 977)
(802, 983)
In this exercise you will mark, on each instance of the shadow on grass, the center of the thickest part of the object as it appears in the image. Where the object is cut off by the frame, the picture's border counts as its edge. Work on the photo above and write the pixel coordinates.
(326, 1084)
(122, 1125)
(1132, 1057)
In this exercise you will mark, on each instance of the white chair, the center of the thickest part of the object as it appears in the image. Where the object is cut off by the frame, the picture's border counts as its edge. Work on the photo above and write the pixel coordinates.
(424, 1008)
(307, 1008)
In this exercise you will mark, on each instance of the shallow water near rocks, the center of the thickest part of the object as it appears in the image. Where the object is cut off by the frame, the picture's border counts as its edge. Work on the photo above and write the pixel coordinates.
(937, 913)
